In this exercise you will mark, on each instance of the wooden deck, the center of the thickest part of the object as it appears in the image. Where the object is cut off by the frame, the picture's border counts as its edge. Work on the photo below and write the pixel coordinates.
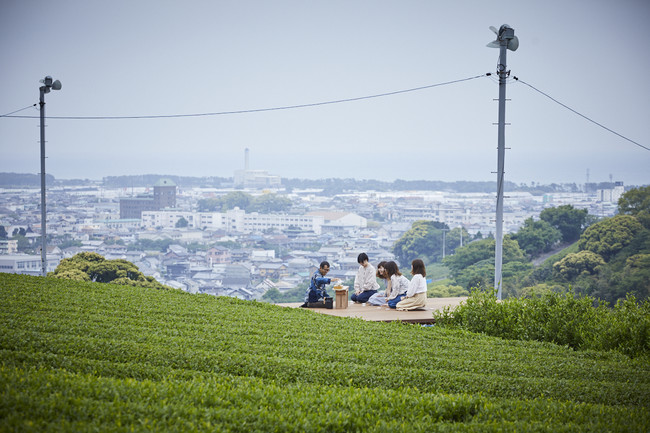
(385, 314)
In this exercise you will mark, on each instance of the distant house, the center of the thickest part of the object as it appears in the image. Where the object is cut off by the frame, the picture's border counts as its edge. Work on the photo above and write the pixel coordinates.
(217, 254)
(273, 270)
(176, 252)
(176, 269)
(344, 219)
(241, 293)
(239, 255)
(349, 264)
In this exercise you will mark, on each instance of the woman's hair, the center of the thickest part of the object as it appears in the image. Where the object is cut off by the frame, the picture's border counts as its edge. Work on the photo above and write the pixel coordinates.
(392, 269)
(418, 267)
(380, 265)
(362, 258)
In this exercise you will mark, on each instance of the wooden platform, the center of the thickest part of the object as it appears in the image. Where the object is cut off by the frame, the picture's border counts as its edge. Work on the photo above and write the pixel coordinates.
(385, 314)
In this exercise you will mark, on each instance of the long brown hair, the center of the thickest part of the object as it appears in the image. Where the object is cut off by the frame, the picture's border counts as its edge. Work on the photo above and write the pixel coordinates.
(418, 267)
(392, 269)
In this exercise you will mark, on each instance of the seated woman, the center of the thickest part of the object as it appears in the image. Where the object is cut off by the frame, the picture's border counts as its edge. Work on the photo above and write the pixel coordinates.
(379, 298)
(398, 284)
(416, 296)
(365, 283)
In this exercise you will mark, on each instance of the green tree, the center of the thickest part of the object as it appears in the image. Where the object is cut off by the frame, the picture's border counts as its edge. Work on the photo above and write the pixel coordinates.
(23, 243)
(229, 201)
(72, 274)
(636, 202)
(583, 263)
(483, 250)
(3, 232)
(568, 220)
(209, 205)
(235, 199)
(89, 266)
(181, 223)
(268, 203)
(423, 240)
(635, 277)
(473, 265)
(479, 274)
(109, 270)
(81, 262)
(453, 239)
(537, 237)
(19, 232)
(609, 236)
(272, 295)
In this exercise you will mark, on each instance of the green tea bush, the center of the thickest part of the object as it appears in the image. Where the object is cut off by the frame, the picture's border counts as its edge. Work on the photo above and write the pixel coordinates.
(580, 322)
(83, 357)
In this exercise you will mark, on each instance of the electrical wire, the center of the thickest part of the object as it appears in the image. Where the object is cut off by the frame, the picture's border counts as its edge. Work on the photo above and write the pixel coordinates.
(257, 110)
(10, 114)
(581, 115)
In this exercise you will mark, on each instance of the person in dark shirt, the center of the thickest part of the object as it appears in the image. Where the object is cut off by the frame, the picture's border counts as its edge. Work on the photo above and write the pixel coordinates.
(316, 292)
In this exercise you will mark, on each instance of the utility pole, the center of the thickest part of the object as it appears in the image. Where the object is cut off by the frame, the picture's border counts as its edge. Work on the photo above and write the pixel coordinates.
(444, 241)
(506, 39)
(45, 88)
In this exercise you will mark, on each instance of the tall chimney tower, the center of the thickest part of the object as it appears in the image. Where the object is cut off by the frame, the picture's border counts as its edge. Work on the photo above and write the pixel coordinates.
(246, 159)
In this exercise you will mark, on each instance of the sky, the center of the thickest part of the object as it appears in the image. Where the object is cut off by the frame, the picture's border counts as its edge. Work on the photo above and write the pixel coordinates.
(127, 58)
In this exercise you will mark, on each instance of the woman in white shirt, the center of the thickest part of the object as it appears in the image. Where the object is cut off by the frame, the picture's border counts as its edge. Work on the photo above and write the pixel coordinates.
(380, 297)
(416, 295)
(365, 283)
(398, 284)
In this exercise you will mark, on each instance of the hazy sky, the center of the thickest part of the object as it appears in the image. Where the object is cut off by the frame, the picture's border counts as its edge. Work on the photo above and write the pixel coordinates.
(142, 58)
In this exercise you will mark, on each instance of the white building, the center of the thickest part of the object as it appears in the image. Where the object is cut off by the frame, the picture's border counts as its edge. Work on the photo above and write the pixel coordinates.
(26, 264)
(611, 195)
(234, 220)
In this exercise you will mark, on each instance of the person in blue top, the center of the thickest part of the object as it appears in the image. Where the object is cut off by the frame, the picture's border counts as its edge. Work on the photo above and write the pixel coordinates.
(316, 292)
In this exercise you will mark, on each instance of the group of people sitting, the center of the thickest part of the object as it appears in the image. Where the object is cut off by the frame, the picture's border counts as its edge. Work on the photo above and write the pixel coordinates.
(399, 293)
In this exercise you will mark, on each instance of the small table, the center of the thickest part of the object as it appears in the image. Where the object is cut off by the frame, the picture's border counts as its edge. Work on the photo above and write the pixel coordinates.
(341, 297)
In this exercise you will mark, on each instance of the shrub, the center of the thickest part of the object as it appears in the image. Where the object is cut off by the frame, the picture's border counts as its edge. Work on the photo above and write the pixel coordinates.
(580, 322)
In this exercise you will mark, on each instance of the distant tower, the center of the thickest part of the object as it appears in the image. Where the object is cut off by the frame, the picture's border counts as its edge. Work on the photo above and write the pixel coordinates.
(587, 176)
(246, 159)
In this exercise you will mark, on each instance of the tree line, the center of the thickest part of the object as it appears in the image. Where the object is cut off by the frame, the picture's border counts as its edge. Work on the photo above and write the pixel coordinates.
(605, 258)
(329, 186)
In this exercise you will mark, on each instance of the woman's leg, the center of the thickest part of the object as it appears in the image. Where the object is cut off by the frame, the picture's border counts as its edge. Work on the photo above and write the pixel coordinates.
(364, 296)
(393, 302)
(415, 302)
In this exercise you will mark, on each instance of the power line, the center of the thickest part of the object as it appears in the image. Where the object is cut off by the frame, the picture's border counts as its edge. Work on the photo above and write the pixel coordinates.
(582, 115)
(257, 110)
(10, 114)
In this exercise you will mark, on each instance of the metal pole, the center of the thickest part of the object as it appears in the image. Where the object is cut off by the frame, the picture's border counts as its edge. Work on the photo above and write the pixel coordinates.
(498, 253)
(443, 243)
(43, 230)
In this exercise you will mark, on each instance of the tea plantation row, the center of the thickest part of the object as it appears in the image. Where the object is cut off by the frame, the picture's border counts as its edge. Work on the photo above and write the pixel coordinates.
(87, 357)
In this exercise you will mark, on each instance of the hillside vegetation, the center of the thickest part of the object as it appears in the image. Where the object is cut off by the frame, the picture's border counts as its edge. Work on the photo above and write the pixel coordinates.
(82, 356)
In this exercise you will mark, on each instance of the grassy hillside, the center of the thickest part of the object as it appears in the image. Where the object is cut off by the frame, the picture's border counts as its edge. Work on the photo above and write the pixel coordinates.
(99, 357)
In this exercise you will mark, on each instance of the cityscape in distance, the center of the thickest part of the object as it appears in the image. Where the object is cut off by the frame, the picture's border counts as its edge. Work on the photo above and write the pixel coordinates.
(256, 231)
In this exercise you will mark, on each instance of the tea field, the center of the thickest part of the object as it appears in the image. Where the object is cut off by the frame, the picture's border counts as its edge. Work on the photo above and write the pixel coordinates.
(78, 357)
